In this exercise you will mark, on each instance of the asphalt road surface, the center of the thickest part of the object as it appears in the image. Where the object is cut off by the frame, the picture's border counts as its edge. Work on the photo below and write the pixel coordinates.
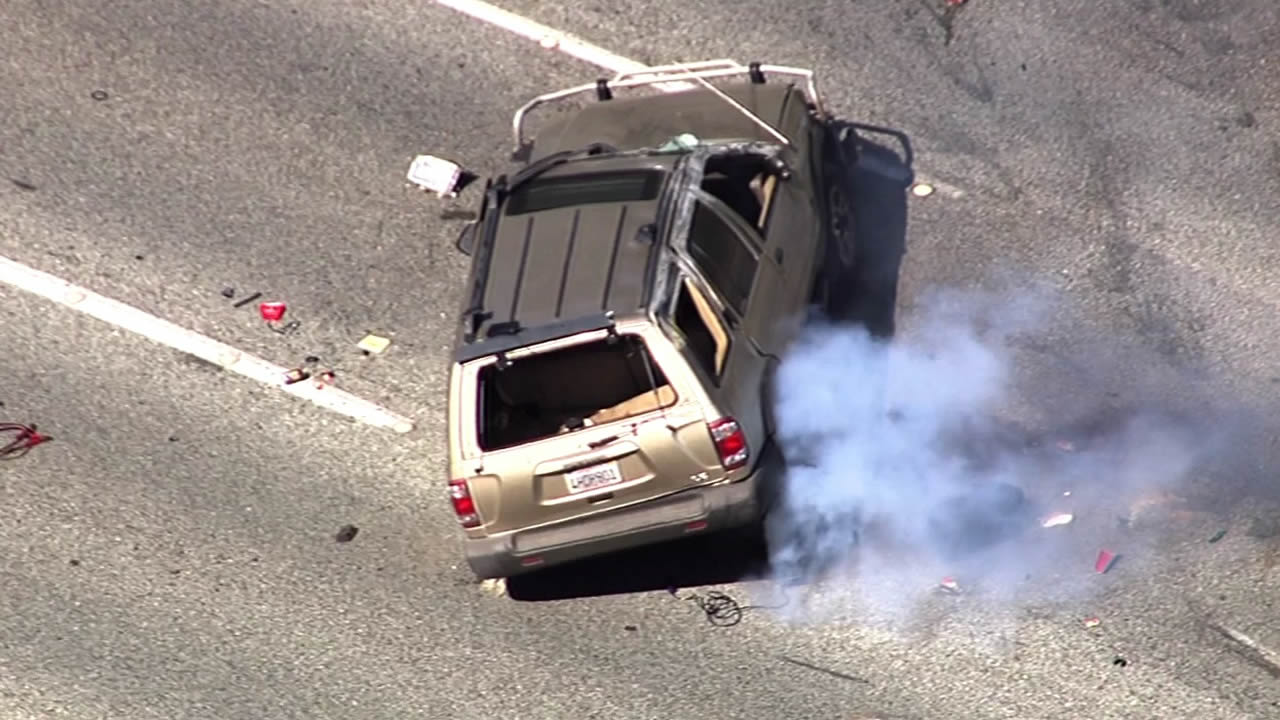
(171, 553)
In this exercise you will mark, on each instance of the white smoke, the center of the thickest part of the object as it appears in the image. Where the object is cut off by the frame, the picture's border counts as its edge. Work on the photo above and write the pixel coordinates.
(908, 462)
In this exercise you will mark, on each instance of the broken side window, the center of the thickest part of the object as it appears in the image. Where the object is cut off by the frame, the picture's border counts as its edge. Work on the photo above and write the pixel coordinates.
(704, 334)
(723, 256)
(743, 182)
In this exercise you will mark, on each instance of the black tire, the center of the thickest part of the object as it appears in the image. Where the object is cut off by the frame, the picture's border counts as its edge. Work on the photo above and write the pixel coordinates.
(841, 256)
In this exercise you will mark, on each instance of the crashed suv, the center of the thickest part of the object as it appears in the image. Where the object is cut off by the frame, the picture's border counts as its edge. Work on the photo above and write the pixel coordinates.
(632, 288)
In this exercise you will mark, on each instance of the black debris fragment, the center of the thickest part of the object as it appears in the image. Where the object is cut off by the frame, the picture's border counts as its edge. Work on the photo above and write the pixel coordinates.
(346, 533)
(825, 671)
(248, 300)
(99, 95)
(22, 184)
(630, 628)
(1218, 536)
(1119, 662)
(285, 329)
(228, 292)
(73, 562)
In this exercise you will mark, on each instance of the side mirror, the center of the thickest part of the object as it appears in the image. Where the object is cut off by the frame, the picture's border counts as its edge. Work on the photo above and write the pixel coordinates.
(466, 242)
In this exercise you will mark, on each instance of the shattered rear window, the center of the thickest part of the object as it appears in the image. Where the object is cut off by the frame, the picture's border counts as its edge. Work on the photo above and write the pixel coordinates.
(584, 385)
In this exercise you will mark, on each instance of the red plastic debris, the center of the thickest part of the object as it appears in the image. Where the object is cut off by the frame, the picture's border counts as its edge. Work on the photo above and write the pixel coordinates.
(272, 311)
(949, 584)
(25, 438)
(954, 3)
(1105, 560)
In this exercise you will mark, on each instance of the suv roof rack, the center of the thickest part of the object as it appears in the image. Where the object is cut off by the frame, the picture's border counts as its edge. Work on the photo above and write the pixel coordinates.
(671, 77)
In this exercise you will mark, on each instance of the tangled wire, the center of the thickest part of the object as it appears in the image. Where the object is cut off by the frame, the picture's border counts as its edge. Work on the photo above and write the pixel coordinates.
(721, 609)
(25, 438)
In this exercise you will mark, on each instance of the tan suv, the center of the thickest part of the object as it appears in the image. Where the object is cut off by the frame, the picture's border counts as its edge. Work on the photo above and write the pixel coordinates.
(632, 287)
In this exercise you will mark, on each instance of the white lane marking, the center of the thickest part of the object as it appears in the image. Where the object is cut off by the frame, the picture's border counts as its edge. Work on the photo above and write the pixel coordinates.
(553, 39)
(545, 36)
(166, 333)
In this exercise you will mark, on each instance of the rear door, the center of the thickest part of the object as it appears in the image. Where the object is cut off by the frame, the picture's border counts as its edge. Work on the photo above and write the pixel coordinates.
(648, 446)
(728, 256)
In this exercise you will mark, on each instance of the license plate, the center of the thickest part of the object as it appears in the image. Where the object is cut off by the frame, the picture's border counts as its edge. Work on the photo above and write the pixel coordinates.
(593, 478)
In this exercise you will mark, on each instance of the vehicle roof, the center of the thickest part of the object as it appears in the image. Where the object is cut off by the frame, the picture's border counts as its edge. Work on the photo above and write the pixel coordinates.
(556, 267)
(640, 121)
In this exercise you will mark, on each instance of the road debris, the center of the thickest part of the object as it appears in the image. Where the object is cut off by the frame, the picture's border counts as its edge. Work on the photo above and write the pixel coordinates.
(272, 311)
(25, 438)
(296, 375)
(246, 300)
(950, 585)
(825, 671)
(1057, 519)
(496, 587)
(346, 533)
(1120, 662)
(1066, 446)
(1218, 536)
(284, 329)
(630, 628)
(228, 292)
(325, 378)
(1092, 622)
(435, 175)
(373, 344)
(99, 95)
(922, 190)
(1105, 560)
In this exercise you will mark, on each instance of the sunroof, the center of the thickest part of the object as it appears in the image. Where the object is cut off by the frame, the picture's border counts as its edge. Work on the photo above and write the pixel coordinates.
(588, 189)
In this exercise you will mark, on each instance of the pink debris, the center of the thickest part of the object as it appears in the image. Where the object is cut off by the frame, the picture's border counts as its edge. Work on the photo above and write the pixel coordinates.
(1092, 622)
(272, 311)
(949, 584)
(1105, 560)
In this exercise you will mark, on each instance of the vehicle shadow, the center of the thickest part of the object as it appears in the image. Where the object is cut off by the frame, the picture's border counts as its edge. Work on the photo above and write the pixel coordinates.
(879, 179)
(713, 559)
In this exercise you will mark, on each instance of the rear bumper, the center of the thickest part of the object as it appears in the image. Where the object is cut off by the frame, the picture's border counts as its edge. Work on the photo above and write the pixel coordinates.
(697, 510)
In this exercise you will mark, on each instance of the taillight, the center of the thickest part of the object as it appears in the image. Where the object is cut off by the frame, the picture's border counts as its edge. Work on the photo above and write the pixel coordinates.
(463, 506)
(731, 443)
